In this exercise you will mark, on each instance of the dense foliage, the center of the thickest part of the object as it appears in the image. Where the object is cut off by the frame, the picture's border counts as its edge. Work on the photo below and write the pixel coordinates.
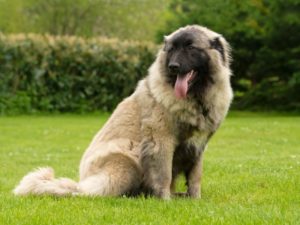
(265, 39)
(124, 19)
(44, 73)
(68, 74)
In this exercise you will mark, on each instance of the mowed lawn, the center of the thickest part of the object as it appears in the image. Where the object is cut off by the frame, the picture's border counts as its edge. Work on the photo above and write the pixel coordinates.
(251, 174)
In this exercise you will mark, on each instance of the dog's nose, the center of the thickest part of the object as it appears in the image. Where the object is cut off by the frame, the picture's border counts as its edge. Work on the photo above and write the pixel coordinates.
(174, 67)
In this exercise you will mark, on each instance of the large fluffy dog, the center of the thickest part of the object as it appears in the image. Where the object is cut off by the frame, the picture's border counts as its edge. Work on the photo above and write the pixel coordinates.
(161, 130)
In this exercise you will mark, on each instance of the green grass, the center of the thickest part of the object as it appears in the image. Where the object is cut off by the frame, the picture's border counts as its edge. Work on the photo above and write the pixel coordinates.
(251, 174)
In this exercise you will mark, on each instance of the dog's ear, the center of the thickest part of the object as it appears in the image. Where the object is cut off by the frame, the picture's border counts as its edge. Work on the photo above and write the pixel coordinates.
(165, 43)
(221, 45)
(216, 44)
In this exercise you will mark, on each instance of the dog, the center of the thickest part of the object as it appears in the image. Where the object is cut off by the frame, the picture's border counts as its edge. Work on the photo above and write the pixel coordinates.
(158, 132)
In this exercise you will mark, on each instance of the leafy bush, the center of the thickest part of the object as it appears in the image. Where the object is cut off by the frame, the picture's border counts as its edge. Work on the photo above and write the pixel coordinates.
(67, 74)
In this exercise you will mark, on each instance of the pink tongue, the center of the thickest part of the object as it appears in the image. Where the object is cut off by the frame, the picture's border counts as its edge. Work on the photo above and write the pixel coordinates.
(181, 85)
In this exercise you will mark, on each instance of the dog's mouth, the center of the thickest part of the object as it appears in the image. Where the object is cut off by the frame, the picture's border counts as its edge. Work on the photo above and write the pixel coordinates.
(183, 83)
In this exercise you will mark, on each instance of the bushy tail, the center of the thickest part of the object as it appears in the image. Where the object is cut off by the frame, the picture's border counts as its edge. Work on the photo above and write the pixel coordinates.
(118, 175)
(42, 181)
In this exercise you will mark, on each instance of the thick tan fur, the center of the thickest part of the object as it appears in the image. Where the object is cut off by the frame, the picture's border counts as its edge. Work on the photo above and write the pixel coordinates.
(136, 146)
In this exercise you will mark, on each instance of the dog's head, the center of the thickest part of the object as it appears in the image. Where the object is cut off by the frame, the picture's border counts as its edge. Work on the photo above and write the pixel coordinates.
(193, 55)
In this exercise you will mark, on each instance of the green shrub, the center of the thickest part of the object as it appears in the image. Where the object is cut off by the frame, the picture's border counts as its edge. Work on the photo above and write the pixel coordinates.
(68, 74)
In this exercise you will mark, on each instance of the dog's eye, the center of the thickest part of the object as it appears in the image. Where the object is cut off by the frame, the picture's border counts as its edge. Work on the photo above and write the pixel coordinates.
(190, 47)
(171, 49)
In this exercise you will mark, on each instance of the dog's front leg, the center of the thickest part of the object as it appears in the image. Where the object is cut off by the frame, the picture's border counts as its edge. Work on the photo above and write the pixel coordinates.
(194, 178)
(156, 161)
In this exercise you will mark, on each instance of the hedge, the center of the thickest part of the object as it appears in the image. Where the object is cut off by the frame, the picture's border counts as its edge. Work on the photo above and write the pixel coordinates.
(68, 74)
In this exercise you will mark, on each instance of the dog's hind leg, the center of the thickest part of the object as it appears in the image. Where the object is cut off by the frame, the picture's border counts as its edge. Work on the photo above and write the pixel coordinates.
(118, 174)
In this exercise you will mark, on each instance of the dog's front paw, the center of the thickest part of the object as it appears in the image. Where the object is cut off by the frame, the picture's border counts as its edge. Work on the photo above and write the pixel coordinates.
(194, 193)
(164, 194)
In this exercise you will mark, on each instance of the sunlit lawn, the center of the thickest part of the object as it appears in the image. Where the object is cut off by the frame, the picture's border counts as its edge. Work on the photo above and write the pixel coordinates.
(251, 174)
